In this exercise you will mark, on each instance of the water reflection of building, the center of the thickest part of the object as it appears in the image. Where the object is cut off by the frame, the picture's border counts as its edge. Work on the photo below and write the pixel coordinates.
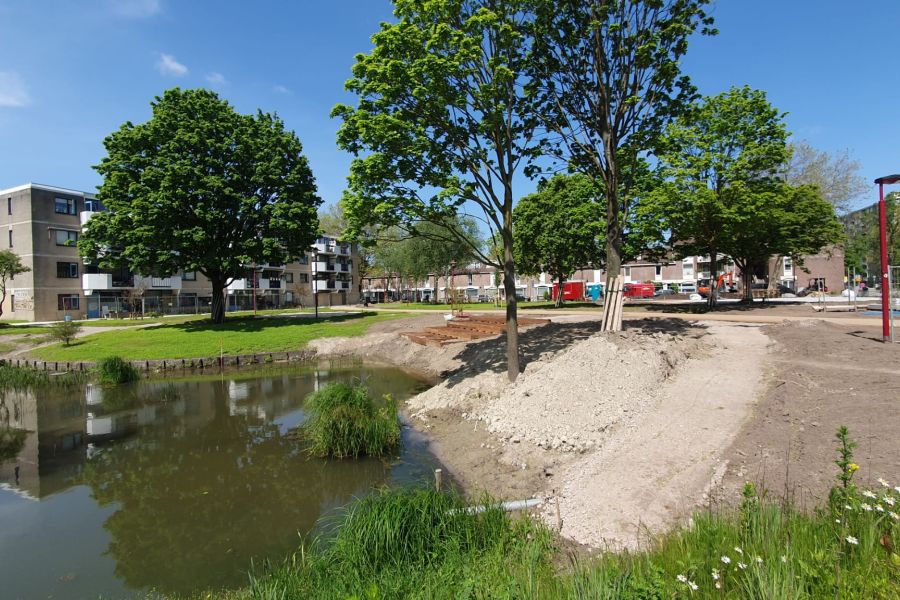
(66, 427)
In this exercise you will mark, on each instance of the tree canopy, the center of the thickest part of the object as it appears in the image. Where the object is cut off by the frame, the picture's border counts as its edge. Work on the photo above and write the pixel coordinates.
(607, 78)
(443, 125)
(725, 192)
(559, 228)
(837, 176)
(200, 187)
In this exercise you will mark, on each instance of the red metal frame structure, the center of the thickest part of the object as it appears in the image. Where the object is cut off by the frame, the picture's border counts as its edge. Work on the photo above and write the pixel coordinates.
(882, 227)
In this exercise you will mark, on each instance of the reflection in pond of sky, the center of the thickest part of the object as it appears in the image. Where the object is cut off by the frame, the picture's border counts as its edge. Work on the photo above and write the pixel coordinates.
(174, 485)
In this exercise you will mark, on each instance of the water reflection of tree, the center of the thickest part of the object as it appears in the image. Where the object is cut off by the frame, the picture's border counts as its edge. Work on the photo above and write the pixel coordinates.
(12, 439)
(199, 498)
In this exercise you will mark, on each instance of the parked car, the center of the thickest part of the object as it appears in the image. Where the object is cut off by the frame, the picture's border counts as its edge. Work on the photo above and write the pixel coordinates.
(522, 298)
(664, 292)
(484, 298)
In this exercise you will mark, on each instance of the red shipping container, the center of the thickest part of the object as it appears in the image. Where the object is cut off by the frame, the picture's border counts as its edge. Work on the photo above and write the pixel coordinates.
(639, 290)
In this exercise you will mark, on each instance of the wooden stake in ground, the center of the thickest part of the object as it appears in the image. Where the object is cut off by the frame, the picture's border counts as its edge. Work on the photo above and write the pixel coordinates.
(613, 305)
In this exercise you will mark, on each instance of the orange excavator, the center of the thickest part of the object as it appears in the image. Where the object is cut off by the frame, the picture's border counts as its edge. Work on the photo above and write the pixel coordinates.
(703, 288)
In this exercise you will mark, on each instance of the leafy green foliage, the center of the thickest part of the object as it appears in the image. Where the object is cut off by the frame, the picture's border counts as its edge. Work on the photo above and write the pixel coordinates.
(64, 331)
(345, 422)
(607, 77)
(115, 370)
(200, 187)
(10, 266)
(837, 177)
(863, 249)
(724, 191)
(559, 228)
(443, 123)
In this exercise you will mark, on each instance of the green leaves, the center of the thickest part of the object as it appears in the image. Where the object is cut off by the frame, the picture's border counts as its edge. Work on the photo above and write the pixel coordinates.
(200, 187)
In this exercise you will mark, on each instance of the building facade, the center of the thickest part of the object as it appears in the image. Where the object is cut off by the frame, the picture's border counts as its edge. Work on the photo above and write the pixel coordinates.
(43, 226)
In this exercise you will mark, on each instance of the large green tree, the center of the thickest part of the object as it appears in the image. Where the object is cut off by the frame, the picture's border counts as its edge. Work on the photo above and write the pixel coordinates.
(559, 228)
(443, 124)
(837, 176)
(720, 161)
(608, 78)
(200, 187)
(10, 266)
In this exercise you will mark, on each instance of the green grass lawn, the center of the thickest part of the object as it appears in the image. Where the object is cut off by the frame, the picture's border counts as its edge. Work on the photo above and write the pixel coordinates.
(30, 331)
(480, 306)
(200, 338)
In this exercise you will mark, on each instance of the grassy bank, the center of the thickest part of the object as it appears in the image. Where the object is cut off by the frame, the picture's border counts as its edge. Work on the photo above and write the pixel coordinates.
(345, 422)
(200, 338)
(423, 544)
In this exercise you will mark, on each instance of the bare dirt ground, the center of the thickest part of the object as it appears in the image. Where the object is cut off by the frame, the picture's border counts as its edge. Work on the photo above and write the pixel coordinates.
(823, 375)
(628, 433)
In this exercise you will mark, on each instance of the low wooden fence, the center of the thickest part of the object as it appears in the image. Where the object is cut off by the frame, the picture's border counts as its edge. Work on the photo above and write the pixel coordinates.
(169, 365)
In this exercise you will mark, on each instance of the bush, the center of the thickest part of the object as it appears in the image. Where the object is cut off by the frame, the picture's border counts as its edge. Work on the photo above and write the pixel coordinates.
(115, 370)
(345, 422)
(64, 331)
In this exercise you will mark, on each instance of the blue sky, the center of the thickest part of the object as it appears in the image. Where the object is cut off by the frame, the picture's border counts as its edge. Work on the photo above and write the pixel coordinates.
(72, 72)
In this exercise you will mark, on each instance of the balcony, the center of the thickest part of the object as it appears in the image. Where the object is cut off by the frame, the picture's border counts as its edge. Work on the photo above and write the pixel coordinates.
(96, 281)
(324, 267)
(85, 215)
(325, 247)
(344, 267)
(158, 283)
(342, 249)
(326, 285)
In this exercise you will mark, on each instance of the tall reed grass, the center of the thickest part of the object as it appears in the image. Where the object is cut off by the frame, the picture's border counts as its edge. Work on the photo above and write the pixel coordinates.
(345, 422)
(116, 370)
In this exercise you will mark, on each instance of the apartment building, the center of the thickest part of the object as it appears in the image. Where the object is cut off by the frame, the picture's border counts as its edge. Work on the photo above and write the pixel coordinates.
(43, 226)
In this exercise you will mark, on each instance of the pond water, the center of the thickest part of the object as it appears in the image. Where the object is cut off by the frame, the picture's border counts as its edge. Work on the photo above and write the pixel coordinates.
(173, 485)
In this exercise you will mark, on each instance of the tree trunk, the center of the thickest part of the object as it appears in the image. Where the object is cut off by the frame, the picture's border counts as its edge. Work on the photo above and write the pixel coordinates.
(747, 282)
(713, 296)
(509, 286)
(613, 229)
(559, 291)
(218, 299)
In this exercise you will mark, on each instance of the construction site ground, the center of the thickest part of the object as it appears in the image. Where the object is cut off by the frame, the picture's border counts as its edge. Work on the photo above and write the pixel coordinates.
(627, 433)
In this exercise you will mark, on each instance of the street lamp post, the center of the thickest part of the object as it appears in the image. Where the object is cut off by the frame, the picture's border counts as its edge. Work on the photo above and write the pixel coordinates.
(885, 283)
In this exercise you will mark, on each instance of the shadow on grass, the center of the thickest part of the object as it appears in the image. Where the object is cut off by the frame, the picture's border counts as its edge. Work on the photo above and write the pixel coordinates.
(535, 343)
(251, 324)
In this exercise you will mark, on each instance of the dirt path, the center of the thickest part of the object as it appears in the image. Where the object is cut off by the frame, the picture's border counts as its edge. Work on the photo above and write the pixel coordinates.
(661, 466)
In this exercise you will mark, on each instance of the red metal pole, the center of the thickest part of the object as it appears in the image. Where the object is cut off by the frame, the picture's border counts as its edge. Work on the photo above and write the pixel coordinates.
(885, 288)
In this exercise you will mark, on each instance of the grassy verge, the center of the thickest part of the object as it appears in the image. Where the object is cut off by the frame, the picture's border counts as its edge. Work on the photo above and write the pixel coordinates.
(345, 422)
(201, 338)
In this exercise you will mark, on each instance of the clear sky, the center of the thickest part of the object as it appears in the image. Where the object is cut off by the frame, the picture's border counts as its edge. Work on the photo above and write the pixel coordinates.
(72, 72)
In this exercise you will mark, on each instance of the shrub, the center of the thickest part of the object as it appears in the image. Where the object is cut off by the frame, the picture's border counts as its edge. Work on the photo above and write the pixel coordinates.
(345, 422)
(115, 369)
(64, 331)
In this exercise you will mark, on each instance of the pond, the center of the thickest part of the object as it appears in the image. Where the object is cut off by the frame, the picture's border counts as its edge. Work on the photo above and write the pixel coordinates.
(173, 485)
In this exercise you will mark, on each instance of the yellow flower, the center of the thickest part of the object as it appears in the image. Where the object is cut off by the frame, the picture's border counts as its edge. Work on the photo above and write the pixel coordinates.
(852, 467)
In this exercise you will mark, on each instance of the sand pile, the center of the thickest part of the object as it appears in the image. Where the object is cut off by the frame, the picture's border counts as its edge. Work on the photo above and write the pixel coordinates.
(568, 401)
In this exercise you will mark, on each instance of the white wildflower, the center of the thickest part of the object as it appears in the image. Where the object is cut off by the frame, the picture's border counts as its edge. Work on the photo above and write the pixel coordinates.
(852, 540)
(726, 560)
(883, 482)
(738, 550)
(837, 521)
(869, 494)
(742, 565)
(897, 488)
(783, 558)
(894, 516)
(694, 587)
(682, 578)
(759, 560)
(879, 508)
(715, 574)
(865, 507)
(848, 507)
(718, 585)
(889, 500)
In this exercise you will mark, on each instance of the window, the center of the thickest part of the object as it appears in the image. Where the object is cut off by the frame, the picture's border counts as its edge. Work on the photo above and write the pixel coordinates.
(66, 206)
(304, 260)
(289, 278)
(91, 205)
(304, 277)
(12, 303)
(65, 237)
(9, 206)
(10, 238)
(189, 276)
(471, 279)
(788, 266)
(658, 270)
(67, 270)
(68, 302)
